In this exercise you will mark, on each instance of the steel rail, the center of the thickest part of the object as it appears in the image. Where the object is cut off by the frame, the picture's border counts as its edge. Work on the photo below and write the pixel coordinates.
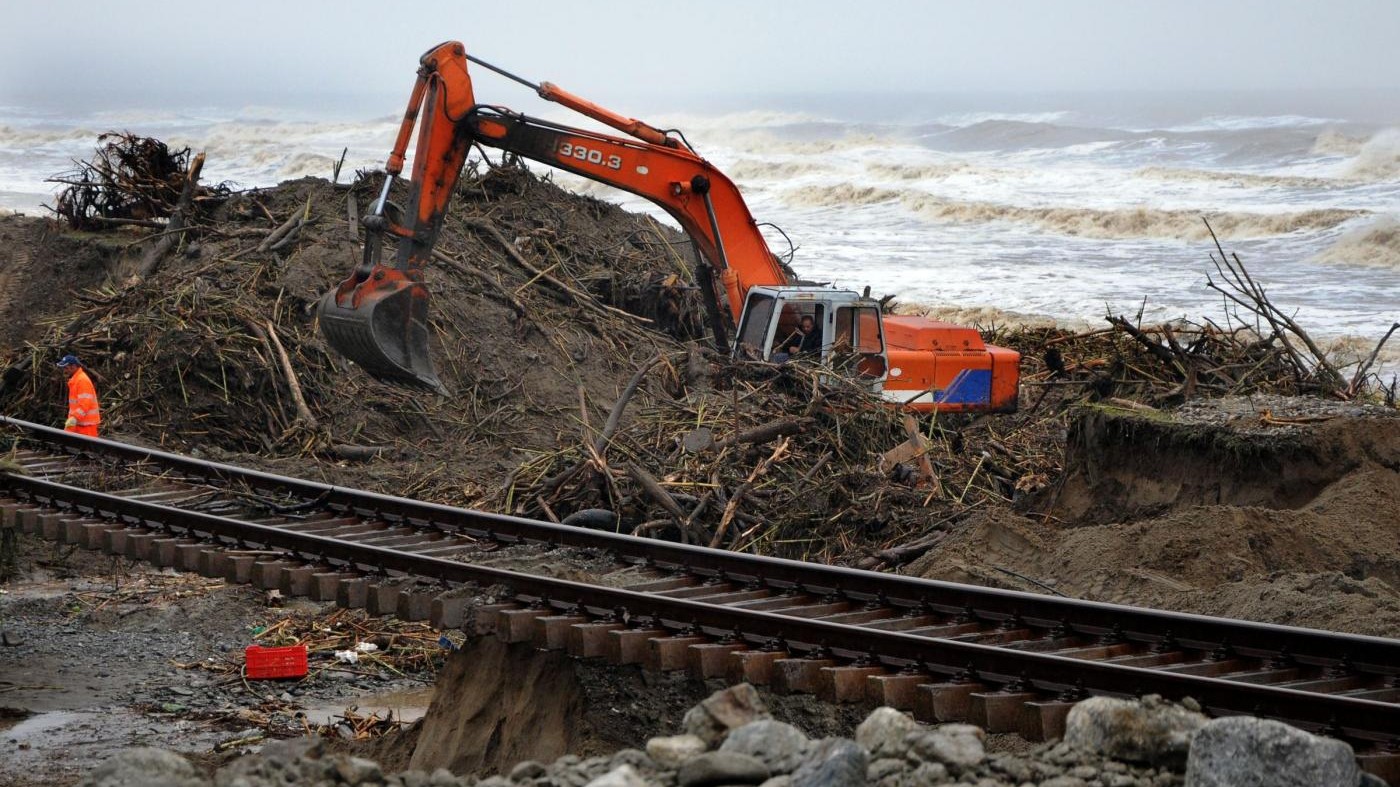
(1361, 719)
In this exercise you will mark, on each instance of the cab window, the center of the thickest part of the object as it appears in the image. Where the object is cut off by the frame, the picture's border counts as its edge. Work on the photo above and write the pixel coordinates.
(859, 346)
(758, 313)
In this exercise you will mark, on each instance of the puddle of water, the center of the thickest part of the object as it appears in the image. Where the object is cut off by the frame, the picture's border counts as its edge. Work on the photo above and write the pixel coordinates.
(9, 717)
(408, 706)
(33, 727)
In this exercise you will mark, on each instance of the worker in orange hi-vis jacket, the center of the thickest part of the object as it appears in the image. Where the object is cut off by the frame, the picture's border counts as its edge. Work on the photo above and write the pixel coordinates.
(83, 412)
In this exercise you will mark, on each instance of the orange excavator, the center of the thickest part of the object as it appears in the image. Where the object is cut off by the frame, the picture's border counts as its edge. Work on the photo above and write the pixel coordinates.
(378, 316)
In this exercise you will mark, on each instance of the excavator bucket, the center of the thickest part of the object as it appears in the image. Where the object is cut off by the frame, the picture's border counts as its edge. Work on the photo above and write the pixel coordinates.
(386, 334)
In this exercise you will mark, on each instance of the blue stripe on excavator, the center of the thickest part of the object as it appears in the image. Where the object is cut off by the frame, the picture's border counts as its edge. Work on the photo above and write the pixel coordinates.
(970, 386)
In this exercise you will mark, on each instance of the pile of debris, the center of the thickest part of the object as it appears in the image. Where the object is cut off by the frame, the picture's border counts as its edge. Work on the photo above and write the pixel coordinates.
(558, 324)
(132, 180)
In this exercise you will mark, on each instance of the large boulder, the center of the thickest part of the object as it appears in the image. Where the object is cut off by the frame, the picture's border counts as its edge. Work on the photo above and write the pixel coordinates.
(673, 751)
(884, 731)
(951, 744)
(832, 762)
(143, 767)
(1149, 730)
(778, 745)
(723, 711)
(621, 776)
(1241, 751)
(722, 767)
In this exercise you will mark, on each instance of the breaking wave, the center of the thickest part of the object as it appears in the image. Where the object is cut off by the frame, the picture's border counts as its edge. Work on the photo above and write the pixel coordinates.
(841, 194)
(921, 171)
(1247, 179)
(983, 316)
(1376, 243)
(1119, 223)
(1378, 158)
(756, 169)
(11, 137)
(1022, 135)
(1332, 142)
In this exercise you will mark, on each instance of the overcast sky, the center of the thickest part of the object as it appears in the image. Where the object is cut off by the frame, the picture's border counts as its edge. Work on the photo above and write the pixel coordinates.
(254, 50)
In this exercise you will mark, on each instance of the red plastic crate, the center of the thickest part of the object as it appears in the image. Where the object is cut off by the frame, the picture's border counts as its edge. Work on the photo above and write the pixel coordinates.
(269, 663)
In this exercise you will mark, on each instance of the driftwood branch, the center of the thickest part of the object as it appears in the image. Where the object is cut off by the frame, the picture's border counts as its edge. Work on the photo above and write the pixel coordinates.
(175, 228)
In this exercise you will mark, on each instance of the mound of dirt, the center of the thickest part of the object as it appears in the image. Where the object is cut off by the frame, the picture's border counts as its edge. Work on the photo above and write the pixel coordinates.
(190, 357)
(1296, 527)
(1268, 451)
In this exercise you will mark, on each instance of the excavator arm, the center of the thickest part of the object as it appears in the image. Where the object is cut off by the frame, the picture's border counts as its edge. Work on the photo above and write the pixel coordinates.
(378, 316)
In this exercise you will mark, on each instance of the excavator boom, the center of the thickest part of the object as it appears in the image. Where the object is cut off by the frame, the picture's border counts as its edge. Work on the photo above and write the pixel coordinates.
(378, 316)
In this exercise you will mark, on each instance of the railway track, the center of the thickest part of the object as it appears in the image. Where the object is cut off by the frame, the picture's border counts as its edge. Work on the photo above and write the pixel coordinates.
(1005, 660)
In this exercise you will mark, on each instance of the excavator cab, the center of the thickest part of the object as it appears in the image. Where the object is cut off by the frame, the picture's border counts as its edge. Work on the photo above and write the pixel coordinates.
(851, 339)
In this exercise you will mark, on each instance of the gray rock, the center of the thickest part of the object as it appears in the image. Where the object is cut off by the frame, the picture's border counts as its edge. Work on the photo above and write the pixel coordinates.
(879, 769)
(444, 778)
(621, 776)
(723, 711)
(722, 767)
(672, 751)
(929, 773)
(353, 770)
(832, 762)
(776, 744)
(1064, 781)
(524, 771)
(951, 744)
(1147, 730)
(143, 767)
(635, 757)
(1016, 769)
(782, 781)
(1240, 751)
(884, 731)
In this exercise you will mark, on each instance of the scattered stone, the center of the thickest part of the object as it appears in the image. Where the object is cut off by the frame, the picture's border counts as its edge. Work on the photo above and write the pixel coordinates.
(1149, 730)
(722, 767)
(776, 744)
(723, 711)
(529, 769)
(672, 751)
(634, 757)
(143, 768)
(1240, 751)
(833, 762)
(952, 744)
(881, 768)
(621, 776)
(930, 773)
(884, 731)
(1064, 781)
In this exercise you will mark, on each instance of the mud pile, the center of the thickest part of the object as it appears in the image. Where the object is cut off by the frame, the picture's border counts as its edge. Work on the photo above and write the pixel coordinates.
(1268, 508)
(192, 357)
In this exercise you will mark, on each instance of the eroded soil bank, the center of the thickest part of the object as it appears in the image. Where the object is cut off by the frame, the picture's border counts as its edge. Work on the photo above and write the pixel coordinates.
(1270, 509)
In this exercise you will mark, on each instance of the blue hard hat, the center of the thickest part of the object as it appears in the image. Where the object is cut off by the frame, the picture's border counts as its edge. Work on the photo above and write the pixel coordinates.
(69, 360)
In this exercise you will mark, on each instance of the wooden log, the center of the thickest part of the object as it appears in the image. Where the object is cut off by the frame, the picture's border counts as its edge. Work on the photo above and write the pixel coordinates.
(176, 227)
(766, 433)
(656, 492)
